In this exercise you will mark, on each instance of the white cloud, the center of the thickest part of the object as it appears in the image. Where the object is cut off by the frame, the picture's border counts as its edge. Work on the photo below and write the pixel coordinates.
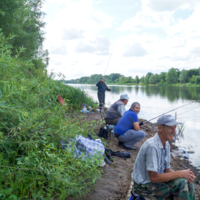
(169, 5)
(188, 27)
(135, 50)
(138, 22)
(59, 50)
(72, 34)
(99, 46)
(81, 37)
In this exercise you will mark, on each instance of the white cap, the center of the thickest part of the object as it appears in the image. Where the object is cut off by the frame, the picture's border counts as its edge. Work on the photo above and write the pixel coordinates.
(124, 96)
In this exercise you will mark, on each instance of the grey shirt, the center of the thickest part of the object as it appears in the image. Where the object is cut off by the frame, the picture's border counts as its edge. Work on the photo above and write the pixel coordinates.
(121, 109)
(151, 157)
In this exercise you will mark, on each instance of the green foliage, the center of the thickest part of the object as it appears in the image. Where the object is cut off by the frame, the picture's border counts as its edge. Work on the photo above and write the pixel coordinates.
(147, 77)
(154, 79)
(172, 76)
(137, 80)
(112, 78)
(183, 76)
(197, 80)
(192, 72)
(142, 80)
(32, 164)
(23, 18)
(193, 79)
(162, 76)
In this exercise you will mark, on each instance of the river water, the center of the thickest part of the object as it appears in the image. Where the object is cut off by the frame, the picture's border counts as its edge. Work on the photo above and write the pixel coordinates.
(156, 100)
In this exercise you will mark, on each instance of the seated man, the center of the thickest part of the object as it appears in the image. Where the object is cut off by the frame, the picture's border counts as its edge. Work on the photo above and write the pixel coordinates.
(152, 174)
(116, 110)
(127, 129)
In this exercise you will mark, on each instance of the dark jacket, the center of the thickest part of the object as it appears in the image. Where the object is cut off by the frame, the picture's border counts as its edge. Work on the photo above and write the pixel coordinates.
(102, 87)
(112, 112)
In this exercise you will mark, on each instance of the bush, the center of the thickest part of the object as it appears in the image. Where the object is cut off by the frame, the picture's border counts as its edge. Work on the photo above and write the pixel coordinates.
(32, 165)
(197, 80)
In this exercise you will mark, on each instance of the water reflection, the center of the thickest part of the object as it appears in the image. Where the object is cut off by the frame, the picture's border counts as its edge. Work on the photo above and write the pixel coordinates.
(156, 100)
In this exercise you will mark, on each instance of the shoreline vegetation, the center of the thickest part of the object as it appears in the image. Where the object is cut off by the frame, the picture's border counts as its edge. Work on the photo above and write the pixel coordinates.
(173, 77)
(32, 122)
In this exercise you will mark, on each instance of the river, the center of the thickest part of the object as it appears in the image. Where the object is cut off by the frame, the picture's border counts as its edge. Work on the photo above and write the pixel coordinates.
(156, 100)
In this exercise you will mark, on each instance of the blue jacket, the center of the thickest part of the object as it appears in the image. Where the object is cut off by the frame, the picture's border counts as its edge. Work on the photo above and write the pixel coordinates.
(102, 87)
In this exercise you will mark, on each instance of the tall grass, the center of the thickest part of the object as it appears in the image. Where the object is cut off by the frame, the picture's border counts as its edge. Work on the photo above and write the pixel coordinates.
(32, 165)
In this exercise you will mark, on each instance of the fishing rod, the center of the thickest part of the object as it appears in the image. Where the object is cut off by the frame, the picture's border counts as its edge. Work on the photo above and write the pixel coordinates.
(167, 112)
(109, 61)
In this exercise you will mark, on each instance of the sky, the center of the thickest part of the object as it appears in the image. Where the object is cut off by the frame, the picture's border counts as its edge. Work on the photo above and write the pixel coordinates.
(130, 37)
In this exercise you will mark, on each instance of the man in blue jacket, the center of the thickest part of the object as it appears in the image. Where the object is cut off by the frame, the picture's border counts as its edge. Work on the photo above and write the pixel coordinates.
(102, 87)
(127, 129)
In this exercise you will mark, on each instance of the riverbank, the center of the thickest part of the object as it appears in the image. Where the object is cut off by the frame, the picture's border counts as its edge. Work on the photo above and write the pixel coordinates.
(158, 84)
(115, 180)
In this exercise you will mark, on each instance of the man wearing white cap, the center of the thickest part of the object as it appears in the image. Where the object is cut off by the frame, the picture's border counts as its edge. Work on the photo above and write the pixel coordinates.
(116, 110)
(152, 173)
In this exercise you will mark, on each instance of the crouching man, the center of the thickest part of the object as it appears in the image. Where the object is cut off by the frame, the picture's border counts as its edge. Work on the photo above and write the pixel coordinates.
(152, 174)
(127, 129)
(116, 110)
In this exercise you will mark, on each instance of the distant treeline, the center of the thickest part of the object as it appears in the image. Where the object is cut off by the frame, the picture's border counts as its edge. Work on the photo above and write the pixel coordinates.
(173, 76)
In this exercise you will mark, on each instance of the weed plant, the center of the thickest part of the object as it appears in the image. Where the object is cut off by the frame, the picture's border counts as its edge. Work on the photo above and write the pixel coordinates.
(32, 164)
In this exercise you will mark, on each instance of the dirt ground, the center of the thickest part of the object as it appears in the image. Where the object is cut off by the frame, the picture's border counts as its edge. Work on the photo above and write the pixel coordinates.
(116, 178)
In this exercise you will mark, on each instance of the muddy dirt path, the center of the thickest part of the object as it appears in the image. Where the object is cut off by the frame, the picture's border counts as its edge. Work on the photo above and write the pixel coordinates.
(116, 178)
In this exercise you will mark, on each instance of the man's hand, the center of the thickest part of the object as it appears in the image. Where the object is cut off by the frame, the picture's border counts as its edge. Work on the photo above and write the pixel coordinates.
(141, 123)
(110, 89)
(188, 175)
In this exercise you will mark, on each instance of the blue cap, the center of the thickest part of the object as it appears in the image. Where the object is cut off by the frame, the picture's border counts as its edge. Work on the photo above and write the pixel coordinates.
(124, 96)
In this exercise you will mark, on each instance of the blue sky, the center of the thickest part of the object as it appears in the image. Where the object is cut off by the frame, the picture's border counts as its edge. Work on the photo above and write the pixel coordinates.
(141, 35)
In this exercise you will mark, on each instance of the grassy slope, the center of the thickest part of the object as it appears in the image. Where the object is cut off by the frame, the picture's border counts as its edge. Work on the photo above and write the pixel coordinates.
(31, 124)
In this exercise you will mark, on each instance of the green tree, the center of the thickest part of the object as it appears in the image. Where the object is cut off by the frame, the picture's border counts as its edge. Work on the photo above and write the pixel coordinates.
(147, 77)
(183, 76)
(172, 76)
(192, 72)
(163, 76)
(23, 18)
(197, 80)
(115, 76)
(193, 79)
(137, 80)
(162, 81)
(142, 80)
(154, 79)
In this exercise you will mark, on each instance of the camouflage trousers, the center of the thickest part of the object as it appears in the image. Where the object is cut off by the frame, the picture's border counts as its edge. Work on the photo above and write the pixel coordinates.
(177, 189)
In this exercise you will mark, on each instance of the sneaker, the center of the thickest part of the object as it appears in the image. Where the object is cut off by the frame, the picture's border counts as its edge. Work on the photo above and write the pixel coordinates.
(120, 143)
(129, 148)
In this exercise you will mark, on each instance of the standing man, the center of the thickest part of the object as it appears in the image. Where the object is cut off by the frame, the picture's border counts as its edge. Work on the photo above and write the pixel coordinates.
(116, 110)
(127, 129)
(102, 87)
(152, 174)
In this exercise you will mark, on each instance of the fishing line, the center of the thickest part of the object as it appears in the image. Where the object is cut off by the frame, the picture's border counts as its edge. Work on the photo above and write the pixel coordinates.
(109, 60)
(185, 111)
(168, 112)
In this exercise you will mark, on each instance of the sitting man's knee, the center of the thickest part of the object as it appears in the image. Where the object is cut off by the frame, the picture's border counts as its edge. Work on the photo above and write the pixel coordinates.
(180, 182)
(142, 134)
